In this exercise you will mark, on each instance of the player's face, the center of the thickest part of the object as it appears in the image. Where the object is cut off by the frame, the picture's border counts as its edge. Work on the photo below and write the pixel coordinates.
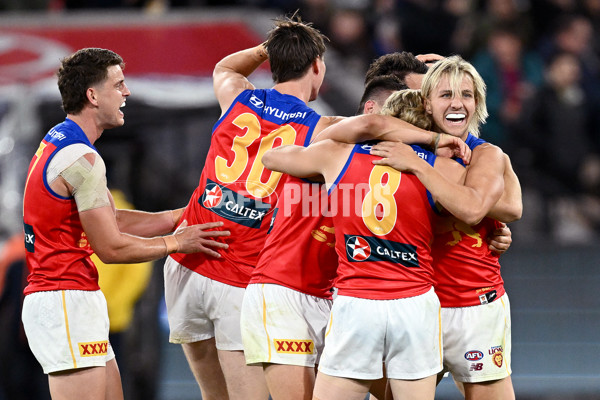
(112, 94)
(452, 110)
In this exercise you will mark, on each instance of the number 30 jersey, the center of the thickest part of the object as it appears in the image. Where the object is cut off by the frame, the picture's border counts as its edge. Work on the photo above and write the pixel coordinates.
(236, 188)
(383, 229)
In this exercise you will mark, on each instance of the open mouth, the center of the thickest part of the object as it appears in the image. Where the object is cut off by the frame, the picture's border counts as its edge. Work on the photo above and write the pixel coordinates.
(456, 118)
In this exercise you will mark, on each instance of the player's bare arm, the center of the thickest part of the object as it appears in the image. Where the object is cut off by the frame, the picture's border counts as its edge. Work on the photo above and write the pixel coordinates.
(325, 159)
(148, 224)
(510, 206)
(383, 127)
(469, 202)
(85, 180)
(230, 76)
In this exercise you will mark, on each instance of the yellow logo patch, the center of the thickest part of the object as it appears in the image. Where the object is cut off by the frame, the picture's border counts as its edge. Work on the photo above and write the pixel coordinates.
(294, 346)
(92, 349)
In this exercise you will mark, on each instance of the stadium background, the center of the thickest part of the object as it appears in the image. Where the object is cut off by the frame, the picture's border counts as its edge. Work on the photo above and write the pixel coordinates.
(551, 271)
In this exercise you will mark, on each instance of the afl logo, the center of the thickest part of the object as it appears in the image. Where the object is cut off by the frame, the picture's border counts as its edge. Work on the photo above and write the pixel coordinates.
(212, 195)
(474, 355)
(256, 102)
(358, 248)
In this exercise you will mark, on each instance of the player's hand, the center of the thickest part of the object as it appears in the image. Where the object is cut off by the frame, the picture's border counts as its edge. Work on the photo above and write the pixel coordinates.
(397, 155)
(429, 58)
(196, 238)
(500, 239)
(453, 147)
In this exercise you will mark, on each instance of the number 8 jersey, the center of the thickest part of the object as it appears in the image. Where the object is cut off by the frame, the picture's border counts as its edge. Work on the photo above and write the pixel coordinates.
(236, 188)
(383, 229)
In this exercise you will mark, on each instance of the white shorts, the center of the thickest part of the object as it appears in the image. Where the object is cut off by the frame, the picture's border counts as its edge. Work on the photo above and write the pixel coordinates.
(67, 329)
(403, 333)
(477, 341)
(199, 308)
(283, 326)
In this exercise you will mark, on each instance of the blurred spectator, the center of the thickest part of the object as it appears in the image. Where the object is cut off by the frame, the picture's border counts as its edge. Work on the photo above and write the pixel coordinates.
(384, 24)
(545, 13)
(511, 74)
(573, 33)
(348, 35)
(557, 129)
(433, 26)
(509, 13)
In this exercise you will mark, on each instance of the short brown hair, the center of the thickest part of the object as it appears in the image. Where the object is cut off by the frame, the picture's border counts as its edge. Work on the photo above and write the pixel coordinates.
(80, 71)
(399, 64)
(293, 45)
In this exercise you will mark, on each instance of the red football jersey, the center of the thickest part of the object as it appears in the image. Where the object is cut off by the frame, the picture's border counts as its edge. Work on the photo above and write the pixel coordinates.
(300, 249)
(467, 272)
(383, 225)
(236, 188)
(57, 252)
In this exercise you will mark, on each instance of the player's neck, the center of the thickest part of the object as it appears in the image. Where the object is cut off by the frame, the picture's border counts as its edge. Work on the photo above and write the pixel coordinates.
(87, 125)
(299, 88)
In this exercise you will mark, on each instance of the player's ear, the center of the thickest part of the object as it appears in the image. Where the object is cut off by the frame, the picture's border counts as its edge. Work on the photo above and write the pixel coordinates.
(427, 105)
(92, 96)
(369, 106)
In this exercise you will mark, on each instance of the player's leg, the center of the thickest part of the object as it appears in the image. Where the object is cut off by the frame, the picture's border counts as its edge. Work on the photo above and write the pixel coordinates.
(283, 331)
(114, 386)
(413, 357)
(84, 383)
(479, 359)
(329, 387)
(80, 363)
(203, 360)
(419, 389)
(244, 382)
(501, 389)
(290, 382)
(189, 298)
(379, 388)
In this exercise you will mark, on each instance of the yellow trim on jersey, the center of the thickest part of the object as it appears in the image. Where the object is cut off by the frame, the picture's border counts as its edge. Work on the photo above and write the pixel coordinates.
(67, 327)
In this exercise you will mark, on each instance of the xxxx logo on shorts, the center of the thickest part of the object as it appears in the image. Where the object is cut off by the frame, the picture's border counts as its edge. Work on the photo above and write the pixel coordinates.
(92, 349)
(233, 205)
(294, 346)
(367, 248)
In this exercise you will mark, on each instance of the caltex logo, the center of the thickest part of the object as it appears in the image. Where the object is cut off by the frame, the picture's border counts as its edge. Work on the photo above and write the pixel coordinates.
(358, 248)
(212, 195)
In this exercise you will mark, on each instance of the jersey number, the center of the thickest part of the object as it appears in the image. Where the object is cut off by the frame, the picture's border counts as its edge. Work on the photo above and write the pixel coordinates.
(379, 208)
(229, 173)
